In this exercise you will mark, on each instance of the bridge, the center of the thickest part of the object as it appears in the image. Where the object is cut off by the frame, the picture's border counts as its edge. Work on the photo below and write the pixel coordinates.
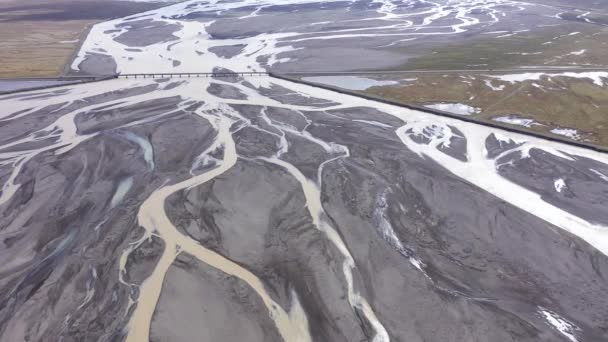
(362, 73)
(194, 74)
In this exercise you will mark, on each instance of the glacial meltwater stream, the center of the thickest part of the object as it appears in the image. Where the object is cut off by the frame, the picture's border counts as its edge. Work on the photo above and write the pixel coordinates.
(192, 49)
(292, 325)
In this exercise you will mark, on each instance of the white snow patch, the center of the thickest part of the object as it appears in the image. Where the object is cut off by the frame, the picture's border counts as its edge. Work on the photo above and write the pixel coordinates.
(524, 53)
(456, 108)
(598, 77)
(514, 120)
(601, 175)
(578, 53)
(495, 88)
(567, 132)
(417, 263)
(559, 184)
(511, 34)
(374, 123)
(565, 327)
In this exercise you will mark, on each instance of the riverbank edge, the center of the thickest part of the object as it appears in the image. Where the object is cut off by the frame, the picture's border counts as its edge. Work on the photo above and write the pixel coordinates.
(77, 81)
(487, 123)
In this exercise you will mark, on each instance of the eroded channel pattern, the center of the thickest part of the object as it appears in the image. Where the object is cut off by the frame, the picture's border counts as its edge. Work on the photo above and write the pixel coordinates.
(262, 210)
(162, 209)
(293, 35)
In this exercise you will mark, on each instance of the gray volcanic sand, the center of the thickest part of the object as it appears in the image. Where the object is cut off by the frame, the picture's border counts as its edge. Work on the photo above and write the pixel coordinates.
(227, 51)
(140, 33)
(146, 32)
(490, 264)
(58, 230)
(267, 229)
(62, 239)
(287, 117)
(319, 58)
(314, 55)
(225, 91)
(38, 119)
(324, 36)
(495, 147)
(97, 64)
(198, 302)
(281, 94)
(62, 10)
(381, 49)
(437, 258)
(456, 148)
(585, 194)
(476, 282)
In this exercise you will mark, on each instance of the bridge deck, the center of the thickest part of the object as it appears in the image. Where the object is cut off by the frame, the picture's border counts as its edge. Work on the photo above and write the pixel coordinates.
(193, 74)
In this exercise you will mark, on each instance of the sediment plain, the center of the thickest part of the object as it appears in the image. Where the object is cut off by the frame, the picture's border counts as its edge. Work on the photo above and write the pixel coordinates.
(254, 208)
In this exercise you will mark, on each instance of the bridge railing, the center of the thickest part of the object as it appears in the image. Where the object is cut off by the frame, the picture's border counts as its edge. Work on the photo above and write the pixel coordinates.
(194, 74)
